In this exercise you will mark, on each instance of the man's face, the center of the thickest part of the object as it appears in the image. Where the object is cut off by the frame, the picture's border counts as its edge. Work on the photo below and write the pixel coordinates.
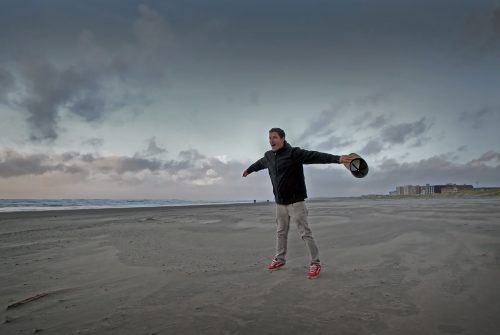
(276, 141)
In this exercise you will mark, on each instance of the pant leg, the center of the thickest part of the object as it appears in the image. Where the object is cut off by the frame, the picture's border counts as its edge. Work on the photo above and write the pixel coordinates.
(298, 215)
(282, 228)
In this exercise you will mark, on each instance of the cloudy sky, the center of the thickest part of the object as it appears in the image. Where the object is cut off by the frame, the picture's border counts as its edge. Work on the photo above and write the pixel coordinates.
(174, 99)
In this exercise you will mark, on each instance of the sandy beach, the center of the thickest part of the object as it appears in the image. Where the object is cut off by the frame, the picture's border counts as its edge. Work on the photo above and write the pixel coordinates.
(390, 266)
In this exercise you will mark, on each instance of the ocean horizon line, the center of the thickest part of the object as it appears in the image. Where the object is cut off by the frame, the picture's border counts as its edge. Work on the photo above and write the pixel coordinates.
(27, 205)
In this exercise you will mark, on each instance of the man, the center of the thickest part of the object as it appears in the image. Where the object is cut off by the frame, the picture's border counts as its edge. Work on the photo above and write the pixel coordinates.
(284, 163)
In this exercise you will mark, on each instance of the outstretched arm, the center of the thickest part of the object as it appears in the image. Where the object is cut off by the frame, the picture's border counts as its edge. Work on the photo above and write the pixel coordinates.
(257, 166)
(316, 157)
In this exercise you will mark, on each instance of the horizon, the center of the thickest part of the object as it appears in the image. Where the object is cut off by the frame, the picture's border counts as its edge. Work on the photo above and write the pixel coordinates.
(250, 200)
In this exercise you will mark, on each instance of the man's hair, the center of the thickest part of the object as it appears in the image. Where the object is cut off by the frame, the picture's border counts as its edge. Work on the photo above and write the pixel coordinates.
(280, 131)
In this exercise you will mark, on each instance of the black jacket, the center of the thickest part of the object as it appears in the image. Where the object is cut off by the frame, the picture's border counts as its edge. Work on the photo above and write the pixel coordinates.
(287, 173)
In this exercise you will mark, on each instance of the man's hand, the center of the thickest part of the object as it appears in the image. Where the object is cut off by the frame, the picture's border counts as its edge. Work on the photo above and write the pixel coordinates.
(245, 173)
(345, 159)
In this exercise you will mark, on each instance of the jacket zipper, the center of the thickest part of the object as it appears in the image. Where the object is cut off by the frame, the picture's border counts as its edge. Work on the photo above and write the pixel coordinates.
(276, 174)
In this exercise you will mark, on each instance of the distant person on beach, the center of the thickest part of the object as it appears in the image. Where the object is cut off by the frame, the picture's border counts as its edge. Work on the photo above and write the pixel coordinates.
(284, 163)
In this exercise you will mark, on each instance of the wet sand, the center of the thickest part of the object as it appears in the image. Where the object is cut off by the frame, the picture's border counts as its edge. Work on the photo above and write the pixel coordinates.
(390, 266)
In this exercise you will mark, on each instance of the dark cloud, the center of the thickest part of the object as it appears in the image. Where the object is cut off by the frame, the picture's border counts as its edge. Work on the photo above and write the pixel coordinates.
(94, 142)
(401, 133)
(322, 125)
(411, 133)
(49, 89)
(7, 83)
(372, 120)
(152, 30)
(90, 107)
(439, 170)
(191, 168)
(482, 30)
(134, 164)
(372, 147)
(379, 121)
(191, 155)
(493, 41)
(199, 173)
(326, 131)
(490, 156)
(480, 117)
(97, 81)
(389, 173)
(13, 163)
(333, 142)
(87, 158)
(67, 156)
(462, 148)
(153, 149)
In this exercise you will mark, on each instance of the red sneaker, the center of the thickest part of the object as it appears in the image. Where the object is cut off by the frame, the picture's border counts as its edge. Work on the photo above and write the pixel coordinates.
(276, 264)
(314, 270)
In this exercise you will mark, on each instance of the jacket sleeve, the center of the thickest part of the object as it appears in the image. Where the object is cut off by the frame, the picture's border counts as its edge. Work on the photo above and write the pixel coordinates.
(258, 165)
(314, 157)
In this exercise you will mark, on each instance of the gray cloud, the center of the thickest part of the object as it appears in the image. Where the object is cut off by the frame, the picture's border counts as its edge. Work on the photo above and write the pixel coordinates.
(152, 30)
(191, 155)
(322, 125)
(49, 89)
(435, 170)
(372, 147)
(153, 149)
(191, 168)
(493, 41)
(198, 174)
(134, 164)
(480, 117)
(13, 163)
(371, 120)
(67, 156)
(7, 83)
(90, 108)
(401, 133)
(379, 121)
(332, 142)
(395, 134)
(94, 142)
(482, 31)
(490, 156)
(325, 131)
(97, 81)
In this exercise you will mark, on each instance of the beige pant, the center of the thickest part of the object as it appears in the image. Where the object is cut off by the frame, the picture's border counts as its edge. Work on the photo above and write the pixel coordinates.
(297, 214)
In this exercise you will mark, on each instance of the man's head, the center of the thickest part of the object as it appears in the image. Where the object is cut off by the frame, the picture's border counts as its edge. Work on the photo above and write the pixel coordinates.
(276, 138)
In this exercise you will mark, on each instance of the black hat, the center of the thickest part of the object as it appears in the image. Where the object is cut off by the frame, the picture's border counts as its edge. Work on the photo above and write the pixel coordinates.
(358, 166)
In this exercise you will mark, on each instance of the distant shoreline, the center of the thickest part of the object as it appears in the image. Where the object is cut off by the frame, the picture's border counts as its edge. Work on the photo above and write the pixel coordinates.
(494, 192)
(50, 211)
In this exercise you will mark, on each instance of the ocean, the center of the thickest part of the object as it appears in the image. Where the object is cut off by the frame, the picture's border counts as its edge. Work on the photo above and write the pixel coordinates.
(19, 205)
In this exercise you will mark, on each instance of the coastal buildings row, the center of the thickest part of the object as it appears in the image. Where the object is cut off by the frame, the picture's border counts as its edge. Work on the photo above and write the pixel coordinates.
(429, 189)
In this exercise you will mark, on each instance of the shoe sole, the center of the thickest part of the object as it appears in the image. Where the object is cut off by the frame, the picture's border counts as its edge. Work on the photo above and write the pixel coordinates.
(309, 276)
(272, 270)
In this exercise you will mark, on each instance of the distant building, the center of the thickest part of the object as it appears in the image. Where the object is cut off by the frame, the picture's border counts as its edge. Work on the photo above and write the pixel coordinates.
(407, 190)
(429, 189)
(453, 188)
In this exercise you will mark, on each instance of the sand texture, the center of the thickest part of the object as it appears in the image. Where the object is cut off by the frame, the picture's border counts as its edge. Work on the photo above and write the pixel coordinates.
(390, 266)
